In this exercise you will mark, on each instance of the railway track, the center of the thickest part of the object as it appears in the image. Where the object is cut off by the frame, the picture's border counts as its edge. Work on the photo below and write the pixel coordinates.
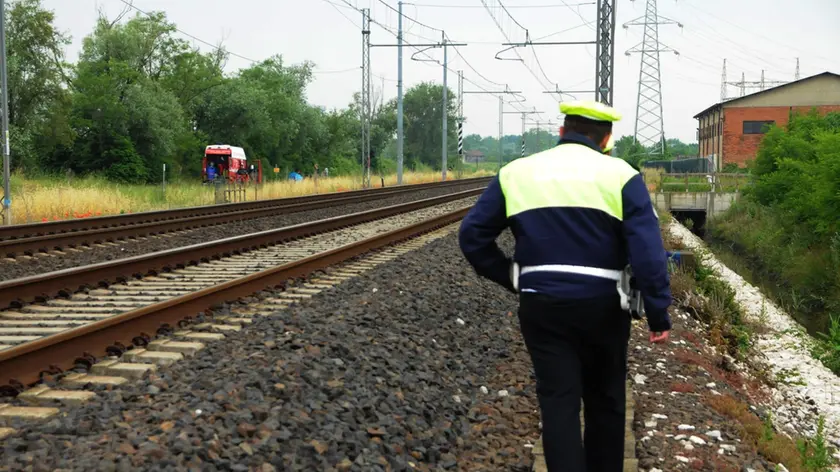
(53, 335)
(44, 238)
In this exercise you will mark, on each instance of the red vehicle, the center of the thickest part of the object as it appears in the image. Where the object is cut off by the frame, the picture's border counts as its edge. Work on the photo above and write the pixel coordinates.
(228, 162)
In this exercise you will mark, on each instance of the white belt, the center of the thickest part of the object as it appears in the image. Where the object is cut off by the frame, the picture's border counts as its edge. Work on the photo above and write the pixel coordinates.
(573, 269)
(622, 279)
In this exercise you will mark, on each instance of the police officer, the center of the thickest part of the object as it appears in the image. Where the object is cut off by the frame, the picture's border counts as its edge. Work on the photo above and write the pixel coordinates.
(578, 217)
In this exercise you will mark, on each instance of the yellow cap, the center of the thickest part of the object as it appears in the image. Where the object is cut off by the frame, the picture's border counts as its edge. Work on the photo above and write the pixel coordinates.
(591, 110)
(610, 144)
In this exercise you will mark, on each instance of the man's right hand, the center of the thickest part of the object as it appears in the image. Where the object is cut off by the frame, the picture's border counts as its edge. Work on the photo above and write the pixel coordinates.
(659, 337)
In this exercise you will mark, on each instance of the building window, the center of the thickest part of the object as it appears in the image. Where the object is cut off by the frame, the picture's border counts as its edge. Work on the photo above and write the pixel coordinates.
(757, 127)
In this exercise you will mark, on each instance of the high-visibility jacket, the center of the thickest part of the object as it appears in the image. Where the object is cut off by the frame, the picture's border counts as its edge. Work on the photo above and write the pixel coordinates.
(571, 206)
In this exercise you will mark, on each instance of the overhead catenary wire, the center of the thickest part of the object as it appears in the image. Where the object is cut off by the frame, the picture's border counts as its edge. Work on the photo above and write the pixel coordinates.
(131, 5)
(499, 26)
(347, 4)
(802, 52)
(563, 5)
(528, 40)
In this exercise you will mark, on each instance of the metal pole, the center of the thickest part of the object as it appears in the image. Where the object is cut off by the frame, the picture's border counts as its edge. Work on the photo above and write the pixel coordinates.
(445, 111)
(523, 136)
(365, 98)
(399, 95)
(501, 129)
(4, 83)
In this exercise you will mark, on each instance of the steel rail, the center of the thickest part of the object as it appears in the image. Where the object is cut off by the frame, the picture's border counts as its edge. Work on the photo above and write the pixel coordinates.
(44, 243)
(23, 364)
(65, 282)
(82, 224)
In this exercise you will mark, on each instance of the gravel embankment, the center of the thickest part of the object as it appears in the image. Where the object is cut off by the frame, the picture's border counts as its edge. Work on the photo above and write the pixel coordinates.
(675, 427)
(22, 268)
(387, 371)
(785, 348)
(681, 387)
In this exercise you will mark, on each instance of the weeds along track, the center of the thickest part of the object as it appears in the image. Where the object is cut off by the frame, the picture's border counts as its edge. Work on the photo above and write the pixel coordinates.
(58, 237)
(60, 320)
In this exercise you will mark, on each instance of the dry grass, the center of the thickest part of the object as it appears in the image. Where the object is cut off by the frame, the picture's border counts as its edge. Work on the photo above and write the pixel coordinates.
(682, 387)
(653, 178)
(682, 284)
(775, 447)
(49, 199)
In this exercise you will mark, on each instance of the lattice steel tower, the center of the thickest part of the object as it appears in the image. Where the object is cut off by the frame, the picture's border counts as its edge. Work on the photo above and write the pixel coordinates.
(365, 98)
(605, 52)
(649, 129)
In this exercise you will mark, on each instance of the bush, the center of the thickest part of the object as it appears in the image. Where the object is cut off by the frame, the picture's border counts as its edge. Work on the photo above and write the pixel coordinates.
(788, 225)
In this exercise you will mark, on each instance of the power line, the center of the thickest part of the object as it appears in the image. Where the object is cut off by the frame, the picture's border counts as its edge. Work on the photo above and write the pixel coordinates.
(457, 51)
(741, 28)
(341, 71)
(218, 48)
(410, 18)
(419, 51)
(564, 5)
(496, 21)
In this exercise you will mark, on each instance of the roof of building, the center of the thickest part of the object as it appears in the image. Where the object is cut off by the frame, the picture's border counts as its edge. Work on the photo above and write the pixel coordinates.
(473, 152)
(734, 100)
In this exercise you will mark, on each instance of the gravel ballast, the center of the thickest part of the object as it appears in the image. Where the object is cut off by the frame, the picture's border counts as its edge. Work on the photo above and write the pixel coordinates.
(41, 264)
(415, 365)
(675, 427)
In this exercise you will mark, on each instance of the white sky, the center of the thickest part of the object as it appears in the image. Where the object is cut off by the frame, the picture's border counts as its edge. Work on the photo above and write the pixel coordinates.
(752, 35)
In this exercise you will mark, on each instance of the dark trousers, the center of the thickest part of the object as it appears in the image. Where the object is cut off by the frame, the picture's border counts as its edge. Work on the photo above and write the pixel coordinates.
(579, 350)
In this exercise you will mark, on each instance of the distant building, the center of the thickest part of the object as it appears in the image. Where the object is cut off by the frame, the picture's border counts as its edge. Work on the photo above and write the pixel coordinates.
(732, 130)
(473, 156)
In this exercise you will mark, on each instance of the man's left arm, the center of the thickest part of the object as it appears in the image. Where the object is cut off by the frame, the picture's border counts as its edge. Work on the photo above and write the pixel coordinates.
(479, 231)
(647, 253)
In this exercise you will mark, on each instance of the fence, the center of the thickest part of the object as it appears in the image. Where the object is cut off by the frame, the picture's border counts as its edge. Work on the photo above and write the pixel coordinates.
(695, 181)
(233, 192)
(693, 165)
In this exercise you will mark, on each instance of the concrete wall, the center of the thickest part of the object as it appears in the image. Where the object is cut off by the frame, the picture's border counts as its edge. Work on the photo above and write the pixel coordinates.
(713, 203)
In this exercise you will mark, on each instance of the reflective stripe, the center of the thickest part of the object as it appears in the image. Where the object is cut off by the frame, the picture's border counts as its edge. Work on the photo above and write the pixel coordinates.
(572, 269)
(570, 176)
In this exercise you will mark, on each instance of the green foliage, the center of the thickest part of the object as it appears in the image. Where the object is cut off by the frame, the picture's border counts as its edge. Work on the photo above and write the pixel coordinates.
(423, 112)
(722, 313)
(827, 349)
(535, 141)
(633, 152)
(788, 227)
(140, 96)
(815, 452)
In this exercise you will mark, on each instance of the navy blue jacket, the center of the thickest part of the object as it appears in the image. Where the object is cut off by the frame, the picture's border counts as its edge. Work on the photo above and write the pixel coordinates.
(573, 236)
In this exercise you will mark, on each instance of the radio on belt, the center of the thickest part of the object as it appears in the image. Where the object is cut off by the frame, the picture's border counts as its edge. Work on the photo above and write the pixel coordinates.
(627, 287)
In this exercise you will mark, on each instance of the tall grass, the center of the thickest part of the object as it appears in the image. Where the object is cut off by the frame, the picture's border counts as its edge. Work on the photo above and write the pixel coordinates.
(37, 199)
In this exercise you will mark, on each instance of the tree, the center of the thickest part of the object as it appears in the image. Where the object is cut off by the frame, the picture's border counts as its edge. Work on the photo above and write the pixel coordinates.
(124, 120)
(423, 108)
(627, 148)
(38, 97)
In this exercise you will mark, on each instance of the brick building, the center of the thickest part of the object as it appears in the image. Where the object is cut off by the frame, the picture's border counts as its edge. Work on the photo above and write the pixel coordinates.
(732, 130)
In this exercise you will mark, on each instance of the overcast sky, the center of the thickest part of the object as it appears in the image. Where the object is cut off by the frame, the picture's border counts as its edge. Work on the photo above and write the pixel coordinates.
(752, 34)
